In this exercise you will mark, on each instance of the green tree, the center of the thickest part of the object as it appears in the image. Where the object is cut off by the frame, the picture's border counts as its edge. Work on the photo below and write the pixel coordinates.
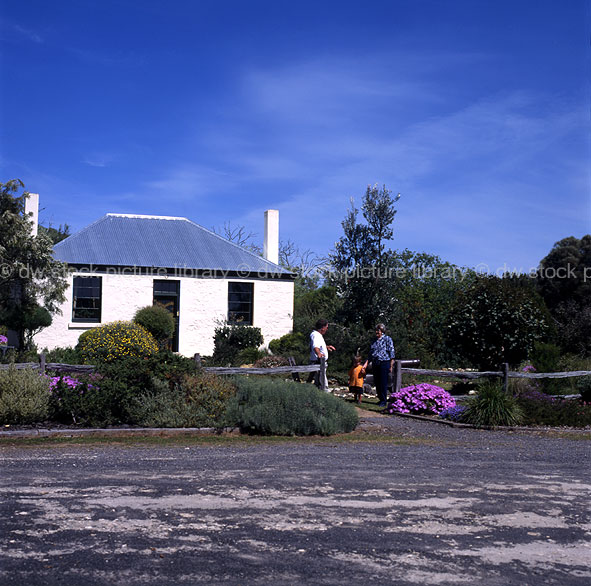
(359, 263)
(564, 281)
(422, 289)
(55, 234)
(32, 282)
(312, 304)
(497, 320)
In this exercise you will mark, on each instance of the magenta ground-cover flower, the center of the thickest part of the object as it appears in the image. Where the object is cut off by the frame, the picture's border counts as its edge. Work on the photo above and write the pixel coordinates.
(67, 380)
(3, 340)
(422, 398)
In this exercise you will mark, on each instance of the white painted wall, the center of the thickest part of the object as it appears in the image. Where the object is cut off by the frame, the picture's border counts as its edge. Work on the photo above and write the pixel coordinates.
(203, 305)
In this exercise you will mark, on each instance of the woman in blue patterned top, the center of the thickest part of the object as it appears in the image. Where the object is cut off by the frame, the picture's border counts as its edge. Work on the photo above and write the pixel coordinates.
(381, 356)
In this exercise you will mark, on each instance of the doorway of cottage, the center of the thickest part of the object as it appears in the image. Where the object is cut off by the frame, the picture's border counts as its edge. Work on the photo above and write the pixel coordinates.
(167, 294)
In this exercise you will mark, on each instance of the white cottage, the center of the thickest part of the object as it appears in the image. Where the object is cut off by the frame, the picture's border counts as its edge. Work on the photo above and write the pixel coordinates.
(123, 262)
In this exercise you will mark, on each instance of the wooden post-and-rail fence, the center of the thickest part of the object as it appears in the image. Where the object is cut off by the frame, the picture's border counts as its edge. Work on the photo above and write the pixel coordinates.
(400, 367)
(42, 366)
(505, 374)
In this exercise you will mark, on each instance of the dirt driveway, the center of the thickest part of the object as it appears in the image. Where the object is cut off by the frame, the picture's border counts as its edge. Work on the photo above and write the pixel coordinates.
(419, 506)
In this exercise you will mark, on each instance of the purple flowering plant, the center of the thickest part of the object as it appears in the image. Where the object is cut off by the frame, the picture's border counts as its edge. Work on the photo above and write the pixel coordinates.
(70, 396)
(3, 340)
(453, 413)
(67, 382)
(421, 399)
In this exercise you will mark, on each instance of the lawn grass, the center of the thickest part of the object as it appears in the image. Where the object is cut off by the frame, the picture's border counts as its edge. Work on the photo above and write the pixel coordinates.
(230, 440)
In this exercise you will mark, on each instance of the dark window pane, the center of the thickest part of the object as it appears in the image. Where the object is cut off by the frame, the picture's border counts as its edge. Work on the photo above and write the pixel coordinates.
(166, 288)
(240, 302)
(86, 300)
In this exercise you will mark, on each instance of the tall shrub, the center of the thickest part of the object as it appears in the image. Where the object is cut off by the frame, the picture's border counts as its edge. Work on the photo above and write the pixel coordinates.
(546, 358)
(114, 341)
(231, 340)
(157, 320)
(270, 407)
(24, 396)
(199, 400)
(293, 344)
(498, 320)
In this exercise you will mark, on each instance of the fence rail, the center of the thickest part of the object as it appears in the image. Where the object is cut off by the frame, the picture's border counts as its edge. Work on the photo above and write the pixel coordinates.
(492, 373)
(401, 367)
(53, 366)
(272, 370)
(505, 374)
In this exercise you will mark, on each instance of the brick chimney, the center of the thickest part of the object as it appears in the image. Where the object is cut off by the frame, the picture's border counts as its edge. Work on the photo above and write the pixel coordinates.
(271, 243)
(32, 207)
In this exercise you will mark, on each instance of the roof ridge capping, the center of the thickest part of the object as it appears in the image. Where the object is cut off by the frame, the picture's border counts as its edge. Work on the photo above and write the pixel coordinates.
(147, 217)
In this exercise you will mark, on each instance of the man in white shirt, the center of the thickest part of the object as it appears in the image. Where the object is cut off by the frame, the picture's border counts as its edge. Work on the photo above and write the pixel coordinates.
(318, 350)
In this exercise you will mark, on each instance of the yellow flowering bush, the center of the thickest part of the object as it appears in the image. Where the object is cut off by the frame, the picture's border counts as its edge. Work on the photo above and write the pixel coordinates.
(114, 341)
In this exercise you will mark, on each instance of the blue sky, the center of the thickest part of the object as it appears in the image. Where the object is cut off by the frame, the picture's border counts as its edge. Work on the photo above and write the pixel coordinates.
(476, 111)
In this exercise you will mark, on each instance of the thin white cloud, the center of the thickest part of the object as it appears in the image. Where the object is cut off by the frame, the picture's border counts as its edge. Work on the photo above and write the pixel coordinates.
(474, 178)
(25, 33)
(188, 182)
(97, 161)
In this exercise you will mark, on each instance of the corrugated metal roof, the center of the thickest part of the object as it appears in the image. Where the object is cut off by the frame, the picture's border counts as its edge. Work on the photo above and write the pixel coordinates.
(121, 240)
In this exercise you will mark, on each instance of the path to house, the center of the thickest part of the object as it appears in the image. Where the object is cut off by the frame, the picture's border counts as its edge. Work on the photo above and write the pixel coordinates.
(422, 504)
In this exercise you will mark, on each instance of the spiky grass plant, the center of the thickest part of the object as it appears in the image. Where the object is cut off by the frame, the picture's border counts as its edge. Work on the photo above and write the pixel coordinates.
(492, 406)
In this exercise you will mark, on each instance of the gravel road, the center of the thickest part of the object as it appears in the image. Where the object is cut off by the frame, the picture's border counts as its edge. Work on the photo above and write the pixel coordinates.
(423, 504)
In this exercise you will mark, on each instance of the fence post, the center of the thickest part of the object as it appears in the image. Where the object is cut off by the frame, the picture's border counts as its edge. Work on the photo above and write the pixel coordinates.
(505, 377)
(42, 363)
(397, 375)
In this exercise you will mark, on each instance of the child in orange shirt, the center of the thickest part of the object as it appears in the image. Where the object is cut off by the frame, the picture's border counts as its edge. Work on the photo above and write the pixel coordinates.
(356, 374)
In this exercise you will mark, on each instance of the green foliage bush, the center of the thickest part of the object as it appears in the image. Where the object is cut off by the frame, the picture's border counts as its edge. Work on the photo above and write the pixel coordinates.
(540, 409)
(563, 283)
(295, 344)
(157, 320)
(24, 396)
(568, 363)
(492, 406)
(115, 341)
(19, 356)
(270, 407)
(106, 398)
(249, 356)
(93, 402)
(462, 387)
(584, 388)
(199, 401)
(271, 362)
(546, 358)
(346, 341)
(497, 320)
(230, 340)
(311, 304)
(65, 355)
(136, 373)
